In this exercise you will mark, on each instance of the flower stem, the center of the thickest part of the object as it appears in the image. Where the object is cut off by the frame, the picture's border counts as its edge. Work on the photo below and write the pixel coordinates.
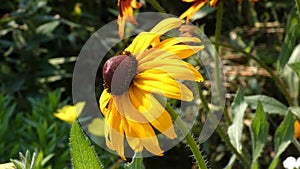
(218, 23)
(156, 5)
(274, 77)
(244, 158)
(190, 140)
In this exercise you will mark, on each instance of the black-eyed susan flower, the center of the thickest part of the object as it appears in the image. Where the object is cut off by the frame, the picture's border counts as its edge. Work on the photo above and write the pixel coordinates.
(148, 65)
(126, 14)
(69, 113)
(198, 4)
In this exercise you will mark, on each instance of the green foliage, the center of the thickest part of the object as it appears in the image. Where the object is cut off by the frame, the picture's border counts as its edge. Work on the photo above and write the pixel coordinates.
(259, 133)
(35, 130)
(235, 129)
(283, 135)
(39, 42)
(25, 162)
(270, 104)
(83, 154)
(293, 33)
(136, 163)
(296, 67)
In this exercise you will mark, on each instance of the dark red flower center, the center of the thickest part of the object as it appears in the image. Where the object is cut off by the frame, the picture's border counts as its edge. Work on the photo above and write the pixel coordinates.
(118, 73)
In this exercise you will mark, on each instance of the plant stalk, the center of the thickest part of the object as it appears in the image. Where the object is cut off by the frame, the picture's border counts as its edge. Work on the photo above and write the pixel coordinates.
(189, 139)
(274, 77)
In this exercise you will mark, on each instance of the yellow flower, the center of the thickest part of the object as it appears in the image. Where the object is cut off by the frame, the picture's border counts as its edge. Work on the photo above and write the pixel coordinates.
(296, 130)
(70, 113)
(126, 14)
(96, 126)
(198, 4)
(148, 65)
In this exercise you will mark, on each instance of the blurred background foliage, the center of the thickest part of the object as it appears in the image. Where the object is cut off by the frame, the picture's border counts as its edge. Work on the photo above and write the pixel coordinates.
(39, 43)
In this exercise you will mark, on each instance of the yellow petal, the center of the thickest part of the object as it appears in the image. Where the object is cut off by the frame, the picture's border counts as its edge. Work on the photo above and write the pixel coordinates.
(126, 108)
(145, 39)
(166, 25)
(164, 122)
(188, 14)
(189, 0)
(131, 137)
(103, 101)
(163, 83)
(96, 127)
(136, 4)
(151, 144)
(115, 135)
(146, 136)
(176, 40)
(177, 69)
(183, 51)
(143, 101)
(153, 111)
(141, 42)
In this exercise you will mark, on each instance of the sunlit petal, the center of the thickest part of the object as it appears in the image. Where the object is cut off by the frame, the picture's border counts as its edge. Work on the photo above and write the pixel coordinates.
(104, 99)
(126, 108)
(169, 87)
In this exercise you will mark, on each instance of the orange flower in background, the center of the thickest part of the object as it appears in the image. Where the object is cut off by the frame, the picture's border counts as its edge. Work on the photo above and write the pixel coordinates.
(296, 130)
(198, 4)
(126, 14)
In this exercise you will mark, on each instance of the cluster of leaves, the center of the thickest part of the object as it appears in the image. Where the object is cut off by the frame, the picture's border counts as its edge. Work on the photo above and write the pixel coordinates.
(38, 42)
(35, 130)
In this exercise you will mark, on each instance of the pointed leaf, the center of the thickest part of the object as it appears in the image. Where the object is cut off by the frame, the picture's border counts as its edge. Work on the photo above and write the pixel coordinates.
(259, 132)
(137, 162)
(48, 27)
(296, 111)
(291, 36)
(296, 67)
(284, 134)
(235, 130)
(83, 154)
(271, 105)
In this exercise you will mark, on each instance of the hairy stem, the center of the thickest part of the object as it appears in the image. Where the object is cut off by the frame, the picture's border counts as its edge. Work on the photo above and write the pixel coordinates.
(189, 139)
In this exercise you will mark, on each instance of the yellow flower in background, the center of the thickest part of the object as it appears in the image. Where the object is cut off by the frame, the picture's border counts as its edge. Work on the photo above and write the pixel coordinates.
(198, 4)
(96, 127)
(148, 65)
(297, 130)
(126, 14)
(77, 10)
(70, 113)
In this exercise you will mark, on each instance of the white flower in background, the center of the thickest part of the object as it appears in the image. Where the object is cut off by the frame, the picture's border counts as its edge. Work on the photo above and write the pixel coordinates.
(291, 163)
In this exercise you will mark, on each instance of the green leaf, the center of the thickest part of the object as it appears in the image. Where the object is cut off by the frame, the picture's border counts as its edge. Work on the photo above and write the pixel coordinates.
(296, 67)
(235, 129)
(136, 163)
(292, 35)
(259, 132)
(283, 137)
(83, 154)
(296, 111)
(290, 75)
(48, 27)
(271, 105)
(284, 134)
